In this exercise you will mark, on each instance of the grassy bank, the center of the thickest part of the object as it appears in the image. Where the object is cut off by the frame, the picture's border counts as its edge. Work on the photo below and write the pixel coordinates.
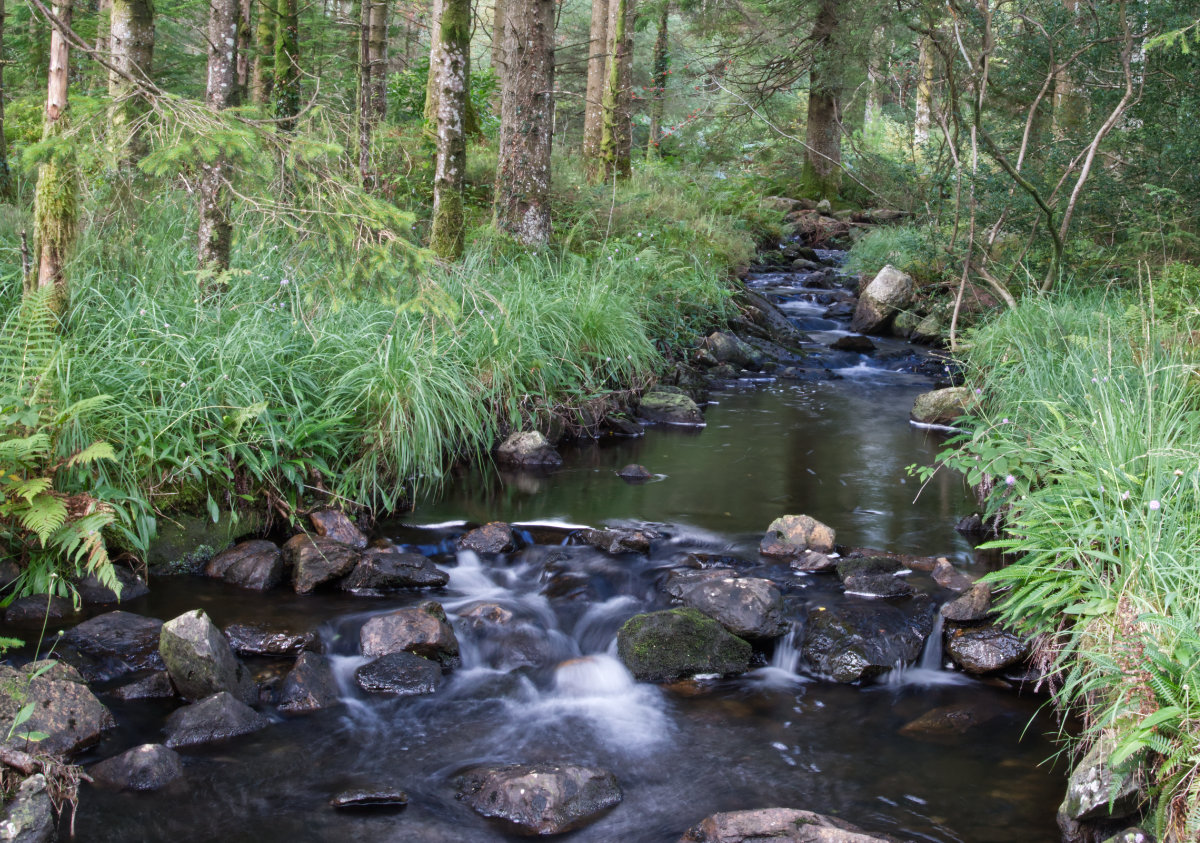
(306, 380)
(1089, 429)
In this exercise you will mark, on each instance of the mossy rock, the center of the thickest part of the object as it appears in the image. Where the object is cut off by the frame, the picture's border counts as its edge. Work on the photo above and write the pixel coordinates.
(942, 406)
(673, 644)
(670, 408)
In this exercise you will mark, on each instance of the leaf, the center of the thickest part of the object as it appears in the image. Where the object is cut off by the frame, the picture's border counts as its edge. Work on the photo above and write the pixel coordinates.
(92, 453)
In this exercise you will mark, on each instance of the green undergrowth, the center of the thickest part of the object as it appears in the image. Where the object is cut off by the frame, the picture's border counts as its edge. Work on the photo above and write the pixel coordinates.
(1088, 431)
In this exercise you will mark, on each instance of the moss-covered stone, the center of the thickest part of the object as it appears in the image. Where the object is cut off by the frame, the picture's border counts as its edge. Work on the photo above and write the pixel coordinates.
(669, 645)
(942, 406)
(670, 408)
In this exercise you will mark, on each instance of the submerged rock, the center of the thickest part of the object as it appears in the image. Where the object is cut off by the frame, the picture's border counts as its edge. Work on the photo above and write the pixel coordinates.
(336, 525)
(529, 449)
(423, 630)
(67, 714)
(147, 767)
(256, 564)
(38, 609)
(481, 615)
(947, 576)
(200, 660)
(860, 640)
(619, 540)
(664, 407)
(113, 644)
(944, 721)
(316, 560)
(674, 644)
(400, 674)
(495, 537)
(29, 817)
(749, 607)
(634, 473)
(877, 586)
(369, 798)
(309, 686)
(92, 592)
(385, 568)
(942, 406)
(888, 293)
(259, 640)
(214, 718)
(540, 799)
(985, 649)
(786, 825)
(791, 535)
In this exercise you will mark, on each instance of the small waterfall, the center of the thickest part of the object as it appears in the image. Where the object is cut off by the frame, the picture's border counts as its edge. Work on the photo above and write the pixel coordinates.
(931, 653)
(787, 652)
(928, 668)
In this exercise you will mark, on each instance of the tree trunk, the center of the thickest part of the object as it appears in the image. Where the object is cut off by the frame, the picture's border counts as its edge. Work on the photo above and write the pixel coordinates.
(366, 124)
(593, 113)
(7, 186)
(616, 131)
(262, 76)
(875, 77)
(377, 42)
(526, 122)
(55, 203)
(658, 94)
(245, 36)
(497, 41)
(924, 110)
(433, 84)
(822, 174)
(131, 36)
(216, 228)
(103, 21)
(454, 34)
(287, 65)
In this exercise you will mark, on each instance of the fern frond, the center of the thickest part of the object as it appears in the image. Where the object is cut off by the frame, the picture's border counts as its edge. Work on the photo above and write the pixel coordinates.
(45, 514)
(92, 453)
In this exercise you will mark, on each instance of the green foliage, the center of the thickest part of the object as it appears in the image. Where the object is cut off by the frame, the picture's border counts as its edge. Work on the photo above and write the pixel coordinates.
(406, 94)
(905, 247)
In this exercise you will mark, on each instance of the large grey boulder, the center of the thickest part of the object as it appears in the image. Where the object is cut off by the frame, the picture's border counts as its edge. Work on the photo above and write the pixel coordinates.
(214, 718)
(888, 293)
(309, 686)
(1095, 784)
(857, 641)
(423, 630)
(790, 535)
(749, 607)
(384, 568)
(659, 405)
(540, 799)
(670, 645)
(528, 449)
(147, 767)
(66, 715)
(493, 537)
(113, 644)
(316, 560)
(985, 649)
(29, 817)
(256, 564)
(336, 525)
(727, 347)
(200, 660)
(942, 406)
(786, 825)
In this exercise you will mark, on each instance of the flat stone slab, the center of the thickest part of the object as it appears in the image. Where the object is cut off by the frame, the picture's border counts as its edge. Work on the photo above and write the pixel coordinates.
(110, 645)
(540, 799)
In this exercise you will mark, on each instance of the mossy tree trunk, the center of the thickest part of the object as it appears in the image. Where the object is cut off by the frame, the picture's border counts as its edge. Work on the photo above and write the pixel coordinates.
(103, 21)
(8, 188)
(216, 227)
(56, 198)
(876, 73)
(287, 65)
(454, 34)
(372, 80)
(593, 113)
(924, 105)
(821, 175)
(616, 130)
(522, 205)
(131, 40)
(658, 95)
(245, 39)
(433, 85)
(377, 58)
(262, 75)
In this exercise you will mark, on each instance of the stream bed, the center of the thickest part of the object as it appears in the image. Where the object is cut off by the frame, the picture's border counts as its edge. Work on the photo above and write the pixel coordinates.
(547, 687)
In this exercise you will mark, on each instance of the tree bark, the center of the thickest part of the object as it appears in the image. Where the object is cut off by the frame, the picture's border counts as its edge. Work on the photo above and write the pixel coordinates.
(103, 20)
(658, 96)
(522, 205)
(245, 37)
(822, 174)
(287, 65)
(262, 76)
(616, 130)
(216, 227)
(131, 36)
(454, 34)
(875, 77)
(7, 185)
(593, 114)
(497, 42)
(377, 42)
(924, 106)
(55, 202)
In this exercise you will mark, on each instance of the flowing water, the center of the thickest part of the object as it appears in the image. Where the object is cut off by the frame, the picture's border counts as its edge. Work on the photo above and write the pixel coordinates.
(547, 685)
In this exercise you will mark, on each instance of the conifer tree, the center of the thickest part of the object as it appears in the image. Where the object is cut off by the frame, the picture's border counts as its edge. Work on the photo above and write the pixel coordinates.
(216, 228)
(454, 34)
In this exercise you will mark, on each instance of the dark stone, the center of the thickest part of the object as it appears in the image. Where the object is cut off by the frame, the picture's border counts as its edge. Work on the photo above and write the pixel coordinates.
(681, 580)
(335, 525)
(785, 825)
(853, 342)
(92, 592)
(540, 799)
(316, 560)
(200, 660)
(309, 686)
(840, 310)
(664, 407)
(113, 644)
(634, 473)
(858, 566)
(972, 607)
(619, 540)
(621, 426)
(256, 564)
(812, 562)
(528, 449)
(214, 718)
(749, 607)
(985, 649)
(877, 585)
(664, 646)
(422, 630)
(29, 817)
(147, 767)
(861, 640)
(384, 568)
(716, 560)
(971, 525)
(496, 537)
(942, 722)
(726, 347)
(38, 609)
(400, 674)
(66, 712)
(256, 640)
(155, 686)
(375, 798)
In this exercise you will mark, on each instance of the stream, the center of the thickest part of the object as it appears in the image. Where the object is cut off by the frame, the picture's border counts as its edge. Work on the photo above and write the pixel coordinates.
(548, 687)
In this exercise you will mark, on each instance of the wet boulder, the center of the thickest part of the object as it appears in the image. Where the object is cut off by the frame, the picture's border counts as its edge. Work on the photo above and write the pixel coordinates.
(150, 766)
(528, 449)
(942, 406)
(261, 640)
(495, 537)
(214, 718)
(384, 568)
(369, 798)
(400, 674)
(152, 686)
(727, 347)
(309, 686)
(113, 644)
(1095, 784)
(790, 535)
(66, 713)
(859, 566)
(634, 473)
(618, 425)
(540, 799)
(786, 825)
(888, 293)
(947, 576)
(200, 660)
(256, 564)
(335, 524)
(38, 609)
(855, 343)
(879, 586)
(619, 540)
(812, 562)
(482, 615)
(681, 580)
(92, 592)
(946, 721)
(931, 330)
(661, 406)
(858, 641)
(316, 560)
(679, 643)
(749, 607)
(423, 630)
(985, 649)
(29, 816)
(973, 606)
